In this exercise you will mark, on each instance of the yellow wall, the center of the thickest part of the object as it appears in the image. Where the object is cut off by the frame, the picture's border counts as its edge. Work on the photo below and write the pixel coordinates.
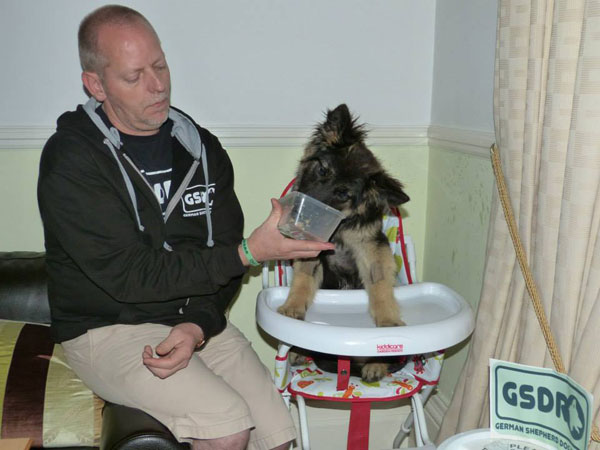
(458, 209)
(20, 224)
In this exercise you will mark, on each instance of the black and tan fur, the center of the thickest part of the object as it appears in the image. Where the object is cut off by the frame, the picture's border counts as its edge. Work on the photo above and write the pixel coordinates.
(338, 169)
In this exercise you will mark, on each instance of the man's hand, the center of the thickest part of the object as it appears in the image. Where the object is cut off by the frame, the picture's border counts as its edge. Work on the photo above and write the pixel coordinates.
(267, 243)
(175, 352)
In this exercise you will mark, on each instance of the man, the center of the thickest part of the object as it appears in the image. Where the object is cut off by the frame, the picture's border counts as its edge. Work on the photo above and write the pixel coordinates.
(144, 249)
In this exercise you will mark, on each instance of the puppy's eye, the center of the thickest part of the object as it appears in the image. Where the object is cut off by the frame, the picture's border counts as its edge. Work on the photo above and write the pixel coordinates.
(323, 171)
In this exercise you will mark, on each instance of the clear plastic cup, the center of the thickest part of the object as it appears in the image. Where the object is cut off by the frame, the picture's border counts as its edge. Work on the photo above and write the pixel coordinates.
(306, 218)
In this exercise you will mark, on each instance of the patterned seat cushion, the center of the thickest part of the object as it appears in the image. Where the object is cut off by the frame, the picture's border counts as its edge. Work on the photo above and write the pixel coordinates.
(309, 381)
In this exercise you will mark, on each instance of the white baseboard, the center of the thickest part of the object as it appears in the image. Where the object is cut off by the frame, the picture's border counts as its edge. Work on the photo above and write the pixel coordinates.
(472, 142)
(232, 136)
(24, 137)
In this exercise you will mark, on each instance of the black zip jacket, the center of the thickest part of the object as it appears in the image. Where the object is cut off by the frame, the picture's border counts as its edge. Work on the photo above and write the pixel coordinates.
(102, 268)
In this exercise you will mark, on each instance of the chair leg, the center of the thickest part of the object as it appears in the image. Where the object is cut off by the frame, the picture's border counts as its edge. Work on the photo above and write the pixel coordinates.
(286, 398)
(417, 426)
(408, 423)
(404, 430)
(280, 373)
(420, 423)
(303, 422)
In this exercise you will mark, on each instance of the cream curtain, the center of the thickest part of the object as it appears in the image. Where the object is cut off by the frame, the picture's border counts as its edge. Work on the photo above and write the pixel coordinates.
(547, 124)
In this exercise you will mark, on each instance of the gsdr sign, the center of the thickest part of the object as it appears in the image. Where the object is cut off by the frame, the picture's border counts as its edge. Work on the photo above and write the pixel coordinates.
(540, 404)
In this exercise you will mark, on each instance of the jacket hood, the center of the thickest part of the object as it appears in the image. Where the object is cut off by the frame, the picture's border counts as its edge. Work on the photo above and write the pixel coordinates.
(184, 130)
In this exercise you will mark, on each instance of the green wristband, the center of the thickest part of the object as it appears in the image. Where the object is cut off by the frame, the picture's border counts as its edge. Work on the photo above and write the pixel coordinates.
(248, 255)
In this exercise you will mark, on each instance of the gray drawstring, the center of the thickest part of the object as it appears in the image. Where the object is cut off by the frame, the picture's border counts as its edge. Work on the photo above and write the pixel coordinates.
(127, 184)
(113, 139)
(187, 134)
(209, 242)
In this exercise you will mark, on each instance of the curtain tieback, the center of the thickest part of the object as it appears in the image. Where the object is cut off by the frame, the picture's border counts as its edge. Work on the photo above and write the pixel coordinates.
(525, 269)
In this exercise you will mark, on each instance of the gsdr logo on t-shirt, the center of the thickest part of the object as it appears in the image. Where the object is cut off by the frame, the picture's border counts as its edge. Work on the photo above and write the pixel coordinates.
(196, 198)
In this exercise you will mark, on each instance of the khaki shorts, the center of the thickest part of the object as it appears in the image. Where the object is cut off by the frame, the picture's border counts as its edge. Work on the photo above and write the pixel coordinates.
(225, 388)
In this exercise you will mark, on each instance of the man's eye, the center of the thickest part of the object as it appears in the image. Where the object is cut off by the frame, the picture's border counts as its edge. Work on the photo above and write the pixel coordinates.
(132, 80)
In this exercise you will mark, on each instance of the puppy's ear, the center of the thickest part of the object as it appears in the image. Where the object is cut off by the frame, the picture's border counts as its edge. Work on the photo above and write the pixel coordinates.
(390, 188)
(340, 127)
(338, 119)
(336, 124)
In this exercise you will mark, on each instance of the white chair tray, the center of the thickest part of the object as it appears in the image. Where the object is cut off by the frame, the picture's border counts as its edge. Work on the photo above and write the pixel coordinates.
(338, 321)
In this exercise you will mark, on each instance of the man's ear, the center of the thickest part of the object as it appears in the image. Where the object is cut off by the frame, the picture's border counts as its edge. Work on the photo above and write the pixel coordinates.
(93, 84)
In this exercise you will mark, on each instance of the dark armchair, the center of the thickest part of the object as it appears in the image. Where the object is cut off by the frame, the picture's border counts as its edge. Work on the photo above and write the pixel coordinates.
(41, 397)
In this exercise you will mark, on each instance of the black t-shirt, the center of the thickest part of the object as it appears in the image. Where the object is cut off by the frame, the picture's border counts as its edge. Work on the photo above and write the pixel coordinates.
(152, 155)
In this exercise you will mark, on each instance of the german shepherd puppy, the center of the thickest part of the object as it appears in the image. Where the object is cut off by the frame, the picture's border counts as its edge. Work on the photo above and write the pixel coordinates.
(338, 169)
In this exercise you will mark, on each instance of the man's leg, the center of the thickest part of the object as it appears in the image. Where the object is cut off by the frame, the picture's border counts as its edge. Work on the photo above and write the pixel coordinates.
(231, 356)
(194, 403)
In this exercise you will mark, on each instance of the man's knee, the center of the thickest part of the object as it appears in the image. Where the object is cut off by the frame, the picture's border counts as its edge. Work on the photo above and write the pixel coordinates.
(237, 441)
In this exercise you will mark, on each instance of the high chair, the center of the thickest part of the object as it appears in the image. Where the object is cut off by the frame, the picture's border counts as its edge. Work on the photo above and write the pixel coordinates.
(338, 323)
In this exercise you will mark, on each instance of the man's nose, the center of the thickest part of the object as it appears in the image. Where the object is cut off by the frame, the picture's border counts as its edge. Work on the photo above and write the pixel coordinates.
(157, 83)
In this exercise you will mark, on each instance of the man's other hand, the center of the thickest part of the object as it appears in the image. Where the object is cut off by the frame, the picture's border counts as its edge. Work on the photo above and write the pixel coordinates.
(175, 352)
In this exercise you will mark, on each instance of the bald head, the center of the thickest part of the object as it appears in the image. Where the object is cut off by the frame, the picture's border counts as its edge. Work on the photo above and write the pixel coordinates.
(91, 56)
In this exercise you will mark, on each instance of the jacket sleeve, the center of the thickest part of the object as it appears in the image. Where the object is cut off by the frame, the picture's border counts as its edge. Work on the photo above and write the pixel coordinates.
(209, 313)
(84, 211)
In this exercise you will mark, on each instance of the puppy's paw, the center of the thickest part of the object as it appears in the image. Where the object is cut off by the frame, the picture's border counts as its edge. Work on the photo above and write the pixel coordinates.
(389, 322)
(292, 311)
(372, 372)
(386, 312)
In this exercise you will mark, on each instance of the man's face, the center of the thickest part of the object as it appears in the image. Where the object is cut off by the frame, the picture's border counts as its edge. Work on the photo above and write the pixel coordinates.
(136, 83)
